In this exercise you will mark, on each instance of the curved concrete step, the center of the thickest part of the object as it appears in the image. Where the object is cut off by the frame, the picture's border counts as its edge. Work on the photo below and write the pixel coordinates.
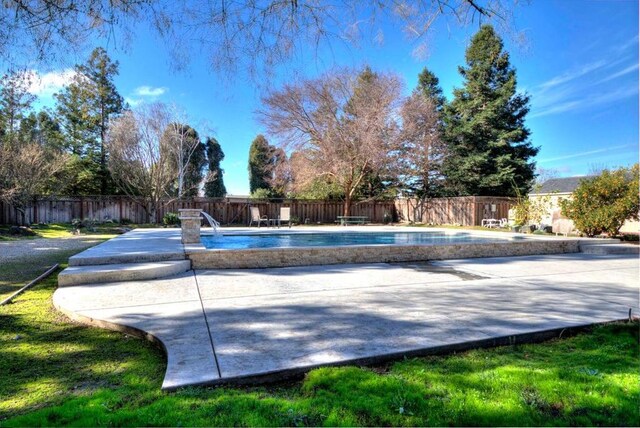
(610, 249)
(78, 275)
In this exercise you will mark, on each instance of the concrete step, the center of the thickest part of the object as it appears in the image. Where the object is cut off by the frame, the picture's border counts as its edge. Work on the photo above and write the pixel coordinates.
(78, 275)
(610, 249)
(140, 256)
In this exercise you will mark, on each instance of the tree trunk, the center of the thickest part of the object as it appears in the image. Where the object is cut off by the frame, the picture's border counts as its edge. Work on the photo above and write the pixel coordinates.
(103, 156)
(347, 204)
(22, 212)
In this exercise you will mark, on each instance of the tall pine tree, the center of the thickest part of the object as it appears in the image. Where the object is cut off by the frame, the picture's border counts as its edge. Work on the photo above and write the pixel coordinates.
(429, 86)
(104, 103)
(214, 184)
(15, 104)
(85, 108)
(488, 142)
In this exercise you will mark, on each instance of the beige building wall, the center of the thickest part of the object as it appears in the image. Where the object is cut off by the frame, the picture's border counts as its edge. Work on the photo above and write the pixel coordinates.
(629, 226)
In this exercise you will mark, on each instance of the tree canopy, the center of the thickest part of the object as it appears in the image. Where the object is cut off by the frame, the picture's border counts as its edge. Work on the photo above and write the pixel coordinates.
(601, 204)
(214, 182)
(340, 126)
(233, 35)
(260, 153)
(84, 108)
(488, 142)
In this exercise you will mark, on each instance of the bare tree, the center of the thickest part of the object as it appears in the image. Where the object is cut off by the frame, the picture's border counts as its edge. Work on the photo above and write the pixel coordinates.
(25, 172)
(341, 126)
(544, 174)
(422, 147)
(248, 34)
(139, 164)
(280, 173)
(181, 141)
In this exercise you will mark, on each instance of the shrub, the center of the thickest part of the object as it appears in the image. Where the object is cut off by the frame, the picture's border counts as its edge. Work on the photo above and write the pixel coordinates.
(602, 204)
(77, 223)
(171, 219)
(21, 231)
(88, 223)
(529, 211)
(261, 193)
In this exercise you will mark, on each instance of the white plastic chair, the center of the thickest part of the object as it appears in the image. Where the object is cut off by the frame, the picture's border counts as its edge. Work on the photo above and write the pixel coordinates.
(285, 215)
(255, 217)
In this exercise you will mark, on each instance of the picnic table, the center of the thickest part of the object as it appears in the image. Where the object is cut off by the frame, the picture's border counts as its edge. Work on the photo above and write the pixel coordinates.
(351, 219)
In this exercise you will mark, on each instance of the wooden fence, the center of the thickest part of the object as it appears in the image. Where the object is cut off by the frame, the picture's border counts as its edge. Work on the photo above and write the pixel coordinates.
(466, 211)
(225, 210)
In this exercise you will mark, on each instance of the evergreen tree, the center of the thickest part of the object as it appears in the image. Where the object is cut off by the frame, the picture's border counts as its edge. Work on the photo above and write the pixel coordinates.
(85, 108)
(104, 102)
(43, 129)
(214, 184)
(15, 103)
(73, 119)
(488, 143)
(429, 86)
(260, 154)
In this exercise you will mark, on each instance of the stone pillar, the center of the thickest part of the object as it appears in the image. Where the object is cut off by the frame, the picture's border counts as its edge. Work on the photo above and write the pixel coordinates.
(190, 221)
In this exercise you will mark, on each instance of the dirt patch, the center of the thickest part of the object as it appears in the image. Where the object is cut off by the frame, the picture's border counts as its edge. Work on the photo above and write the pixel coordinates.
(14, 250)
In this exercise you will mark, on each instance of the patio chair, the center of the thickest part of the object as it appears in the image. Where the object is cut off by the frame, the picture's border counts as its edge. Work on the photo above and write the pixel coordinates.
(285, 215)
(504, 222)
(255, 217)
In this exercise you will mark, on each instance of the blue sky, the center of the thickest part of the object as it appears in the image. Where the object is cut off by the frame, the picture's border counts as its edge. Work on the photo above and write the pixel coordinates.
(579, 64)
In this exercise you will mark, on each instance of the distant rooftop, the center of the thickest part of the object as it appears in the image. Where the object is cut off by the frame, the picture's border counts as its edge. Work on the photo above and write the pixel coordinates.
(560, 185)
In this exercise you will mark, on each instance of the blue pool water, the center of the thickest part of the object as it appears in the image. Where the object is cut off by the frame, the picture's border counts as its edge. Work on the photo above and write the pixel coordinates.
(326, 239)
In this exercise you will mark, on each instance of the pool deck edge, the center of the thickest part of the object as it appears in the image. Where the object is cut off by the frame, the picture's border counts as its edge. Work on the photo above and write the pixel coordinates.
(357, 254)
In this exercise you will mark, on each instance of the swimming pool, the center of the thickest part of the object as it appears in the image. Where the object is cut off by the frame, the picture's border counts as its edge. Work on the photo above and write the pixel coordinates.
(240, 248)
(304, 240)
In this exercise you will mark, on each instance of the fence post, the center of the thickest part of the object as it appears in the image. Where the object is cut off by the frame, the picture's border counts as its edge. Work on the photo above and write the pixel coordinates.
(35, 210)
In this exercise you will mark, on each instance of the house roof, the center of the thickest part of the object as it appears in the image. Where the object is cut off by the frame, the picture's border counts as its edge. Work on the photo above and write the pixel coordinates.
(560, 185)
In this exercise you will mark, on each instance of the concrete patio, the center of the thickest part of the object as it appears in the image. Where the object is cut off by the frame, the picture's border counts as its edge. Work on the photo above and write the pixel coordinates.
(220, 326)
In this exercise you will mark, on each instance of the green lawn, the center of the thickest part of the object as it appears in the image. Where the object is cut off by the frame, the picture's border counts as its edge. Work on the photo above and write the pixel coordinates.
(55, 372)
(65, 230)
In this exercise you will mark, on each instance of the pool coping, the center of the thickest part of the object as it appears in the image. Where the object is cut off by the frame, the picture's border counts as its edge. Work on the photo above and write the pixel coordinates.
(515, 244)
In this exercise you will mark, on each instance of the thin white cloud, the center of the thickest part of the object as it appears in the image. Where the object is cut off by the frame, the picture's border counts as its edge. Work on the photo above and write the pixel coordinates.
(585, 87)
(620, 73)
(629, 43)
(583, 102)
(555, 108)
(145, 93)
(47, 84)
(571, 75)
(587, 153)
(149, 91)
